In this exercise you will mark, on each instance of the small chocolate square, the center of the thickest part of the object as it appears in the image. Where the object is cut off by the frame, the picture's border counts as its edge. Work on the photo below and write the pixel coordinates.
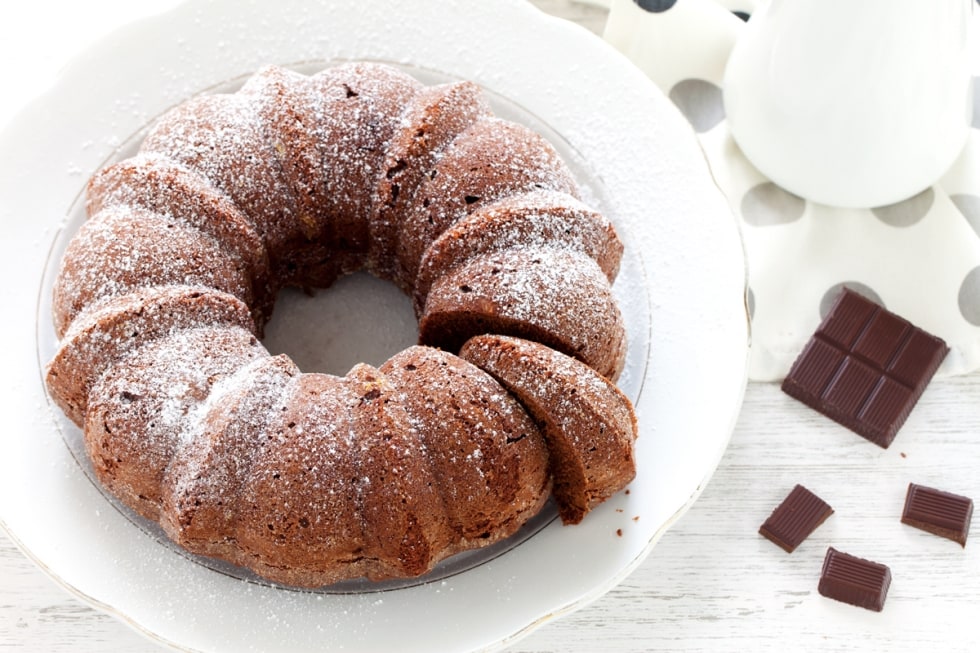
(940, 513)
(865, 368)
(917, 354)
(889, 404)
(851, 313)
(883, 335)
(851, 387)
(818, 364)
(799, 514)
(854, 580)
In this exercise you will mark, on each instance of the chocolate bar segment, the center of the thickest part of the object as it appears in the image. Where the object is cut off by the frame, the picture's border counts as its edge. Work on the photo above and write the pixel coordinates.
(940, 513)
(865, 368)
(800, 513)
(854, 580)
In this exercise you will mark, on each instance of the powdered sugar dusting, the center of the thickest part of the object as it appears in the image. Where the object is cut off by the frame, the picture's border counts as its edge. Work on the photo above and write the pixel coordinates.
(107, 331)
(220, 137)
(121, 249)
(142, 409)
(158, 184)
(537, 220)
(431, 122)
(557, 296)
(491, 159)
(203, 485)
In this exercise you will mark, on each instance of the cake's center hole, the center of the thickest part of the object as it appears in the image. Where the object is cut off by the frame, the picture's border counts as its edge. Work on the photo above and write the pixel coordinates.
(359, 319)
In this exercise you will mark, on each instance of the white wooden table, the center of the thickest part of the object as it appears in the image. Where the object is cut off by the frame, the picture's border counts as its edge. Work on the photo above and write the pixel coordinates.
(712, 583)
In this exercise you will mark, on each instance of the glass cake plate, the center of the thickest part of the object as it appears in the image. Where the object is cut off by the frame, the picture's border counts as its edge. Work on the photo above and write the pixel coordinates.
(681, 289)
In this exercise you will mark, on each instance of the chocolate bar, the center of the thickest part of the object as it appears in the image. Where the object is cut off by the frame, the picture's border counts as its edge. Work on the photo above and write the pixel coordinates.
(865, 368)
(940, 513)
(854, 580)
(795, 518)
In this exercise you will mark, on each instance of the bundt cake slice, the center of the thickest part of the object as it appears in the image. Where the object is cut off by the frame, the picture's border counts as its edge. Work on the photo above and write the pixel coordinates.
(406, 529)
(358, 111)
(221, 138)
(147, 405)
(558, 297)
(430, 122)
(489, 460)
(537, 219)
(492, 159)
(203, 483)
(159, 185)
(299, 520)
(121, 249)
(330, 132)
(287, 113)
(100, 336)
(588, 423)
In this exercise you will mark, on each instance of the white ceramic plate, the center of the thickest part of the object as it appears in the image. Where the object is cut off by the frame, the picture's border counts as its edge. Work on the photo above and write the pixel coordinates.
(682, 289)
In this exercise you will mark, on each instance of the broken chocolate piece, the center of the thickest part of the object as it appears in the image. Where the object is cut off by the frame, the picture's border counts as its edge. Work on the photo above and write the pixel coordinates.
(795, 518)
(940, 513)
(865, 368)
(854, 580)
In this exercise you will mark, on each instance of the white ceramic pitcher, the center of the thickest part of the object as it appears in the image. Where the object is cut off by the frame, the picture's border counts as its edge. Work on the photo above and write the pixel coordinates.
(854, 103)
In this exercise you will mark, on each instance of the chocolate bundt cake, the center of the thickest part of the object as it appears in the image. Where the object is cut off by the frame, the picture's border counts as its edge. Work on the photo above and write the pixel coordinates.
(308, 478)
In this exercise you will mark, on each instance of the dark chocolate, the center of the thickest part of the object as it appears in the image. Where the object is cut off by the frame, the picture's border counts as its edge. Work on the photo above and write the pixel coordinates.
(865, 368)
(854, 580)
(940, 513)
(795, 518)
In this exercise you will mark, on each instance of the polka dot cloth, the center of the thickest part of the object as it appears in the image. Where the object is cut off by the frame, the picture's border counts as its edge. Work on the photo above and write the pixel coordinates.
(919, 257)
(655, 6)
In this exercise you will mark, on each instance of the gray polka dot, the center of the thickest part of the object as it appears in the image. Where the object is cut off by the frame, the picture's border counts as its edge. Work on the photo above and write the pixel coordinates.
(969, 297)
(976, 102)
(700, 101)
(750, 302)
(767, 204)
(655, 6)
(969, 206)
(907, 212)
(829, 297)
